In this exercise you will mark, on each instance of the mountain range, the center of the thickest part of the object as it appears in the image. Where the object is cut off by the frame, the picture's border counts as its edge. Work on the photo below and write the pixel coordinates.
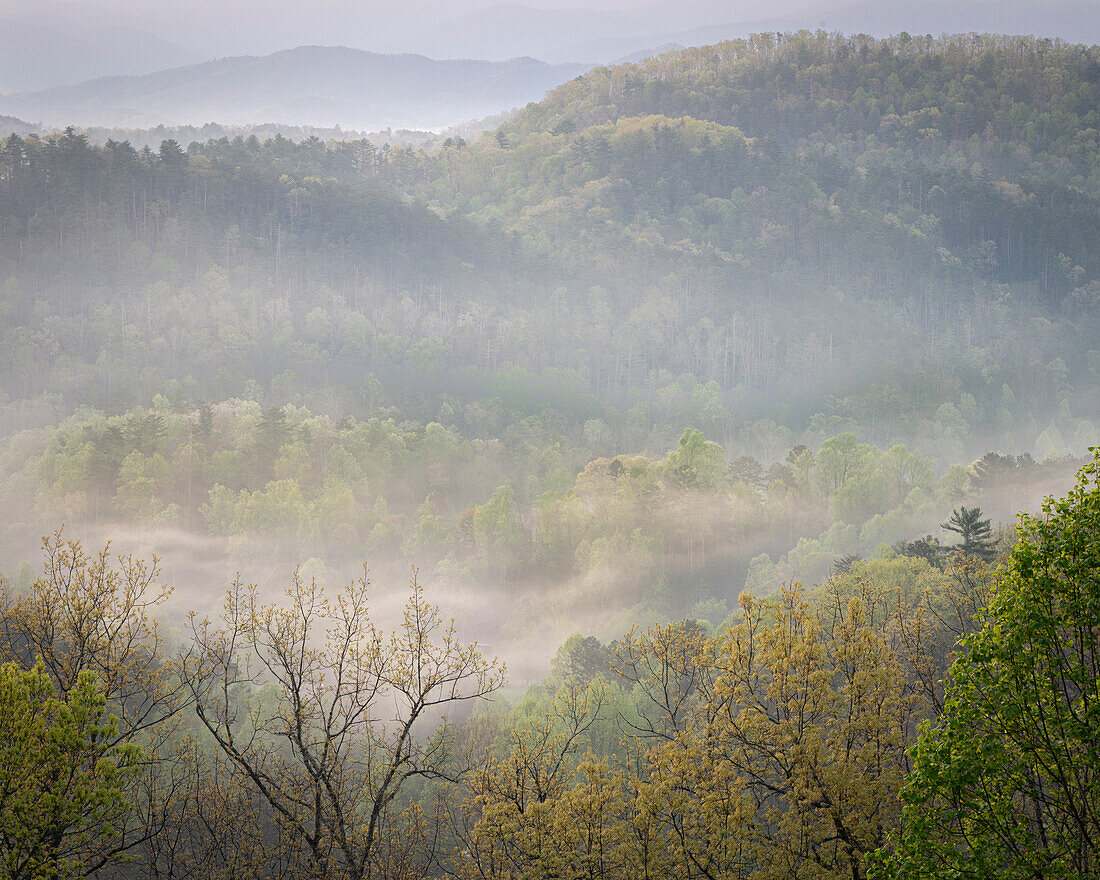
(129, 74)
(310, 85)
(37, 54)
(49, 43)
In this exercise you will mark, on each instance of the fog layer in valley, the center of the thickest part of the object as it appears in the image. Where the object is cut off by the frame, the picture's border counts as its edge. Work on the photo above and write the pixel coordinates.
(528, 441)
(627, 354)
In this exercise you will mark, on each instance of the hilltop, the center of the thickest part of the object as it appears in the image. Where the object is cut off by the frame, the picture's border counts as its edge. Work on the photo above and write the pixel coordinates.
(1013, 105)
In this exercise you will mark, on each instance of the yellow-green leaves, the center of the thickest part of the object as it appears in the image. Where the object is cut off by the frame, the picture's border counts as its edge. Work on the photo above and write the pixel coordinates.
(774, 749)
(62, 794)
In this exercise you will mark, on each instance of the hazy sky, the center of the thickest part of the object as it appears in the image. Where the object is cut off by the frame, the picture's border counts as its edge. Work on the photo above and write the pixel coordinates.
(234, 26)
(45, 43)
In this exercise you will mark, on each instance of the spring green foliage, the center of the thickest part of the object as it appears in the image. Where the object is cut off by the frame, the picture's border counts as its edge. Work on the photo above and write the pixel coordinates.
(773, 743)
(772, 748)
(906, 98)
(650, 535)
(546, 364)
(1006, 782)
(62, 777)
(893, 236)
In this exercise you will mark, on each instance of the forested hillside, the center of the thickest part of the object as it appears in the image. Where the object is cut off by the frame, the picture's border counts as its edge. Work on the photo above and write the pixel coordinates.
(713, 399)
(801, 247)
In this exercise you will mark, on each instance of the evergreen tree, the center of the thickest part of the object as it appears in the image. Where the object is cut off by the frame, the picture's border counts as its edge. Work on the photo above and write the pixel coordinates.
(975, 532)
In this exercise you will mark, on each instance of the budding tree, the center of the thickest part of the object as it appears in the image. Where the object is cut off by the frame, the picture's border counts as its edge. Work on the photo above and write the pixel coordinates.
(327, 718)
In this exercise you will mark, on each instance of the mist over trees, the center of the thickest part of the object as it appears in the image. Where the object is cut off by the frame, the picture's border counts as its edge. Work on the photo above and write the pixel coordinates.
(701, 397)
(778, 742)
(428, 353)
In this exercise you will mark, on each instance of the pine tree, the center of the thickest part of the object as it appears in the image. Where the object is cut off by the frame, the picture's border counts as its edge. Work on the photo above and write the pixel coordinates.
(974, 531)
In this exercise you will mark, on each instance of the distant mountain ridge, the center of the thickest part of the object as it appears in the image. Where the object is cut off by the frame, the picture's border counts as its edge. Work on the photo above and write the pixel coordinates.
(46, 44)
(310, 85)
(11, 125)
(36, 55)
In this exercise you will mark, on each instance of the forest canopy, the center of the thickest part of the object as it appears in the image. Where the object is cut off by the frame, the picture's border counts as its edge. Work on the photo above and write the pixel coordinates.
(700, 398)
(776, 743)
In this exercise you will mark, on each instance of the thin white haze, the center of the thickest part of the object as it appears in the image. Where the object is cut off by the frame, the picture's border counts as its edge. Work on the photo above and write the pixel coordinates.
(50, 43)
(212, 28)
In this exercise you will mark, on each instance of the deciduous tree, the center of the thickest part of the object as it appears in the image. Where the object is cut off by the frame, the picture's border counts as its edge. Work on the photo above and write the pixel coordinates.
(63, 777)
(328, 719)
(1007, 782)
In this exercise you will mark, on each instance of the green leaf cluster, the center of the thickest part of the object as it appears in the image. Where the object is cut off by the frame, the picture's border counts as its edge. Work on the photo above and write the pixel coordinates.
(62, 776)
